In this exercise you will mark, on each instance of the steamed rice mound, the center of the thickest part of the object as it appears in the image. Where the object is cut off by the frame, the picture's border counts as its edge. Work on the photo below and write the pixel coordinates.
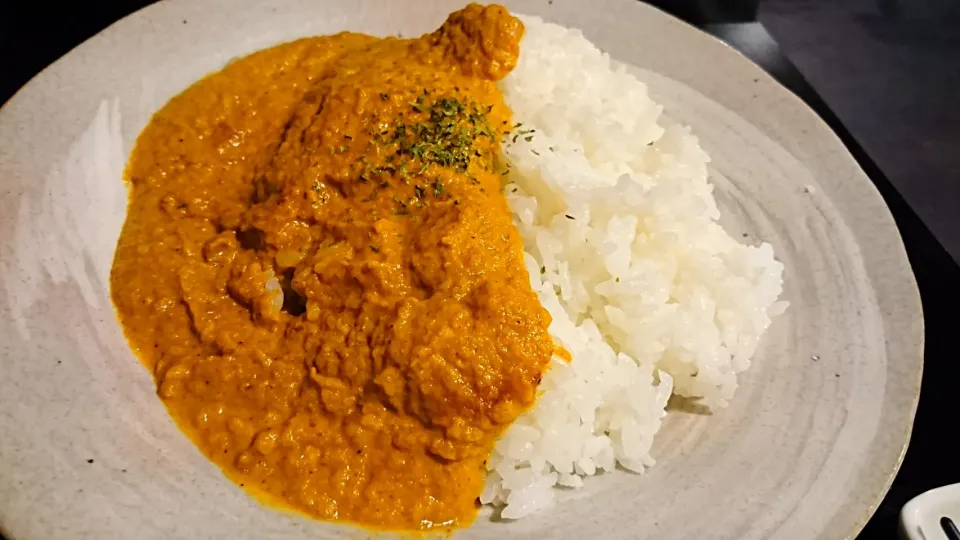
(647, 292)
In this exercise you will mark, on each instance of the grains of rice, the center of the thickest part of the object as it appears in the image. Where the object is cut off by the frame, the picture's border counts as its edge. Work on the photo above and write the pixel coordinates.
(647, 292)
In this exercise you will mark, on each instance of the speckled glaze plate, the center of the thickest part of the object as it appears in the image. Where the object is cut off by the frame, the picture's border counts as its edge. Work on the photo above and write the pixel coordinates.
(807, 449)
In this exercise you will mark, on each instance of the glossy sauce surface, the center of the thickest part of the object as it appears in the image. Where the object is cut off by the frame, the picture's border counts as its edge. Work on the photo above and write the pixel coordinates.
(320, 271)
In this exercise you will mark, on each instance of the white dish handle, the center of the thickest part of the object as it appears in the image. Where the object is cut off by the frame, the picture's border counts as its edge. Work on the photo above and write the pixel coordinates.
(934, 515)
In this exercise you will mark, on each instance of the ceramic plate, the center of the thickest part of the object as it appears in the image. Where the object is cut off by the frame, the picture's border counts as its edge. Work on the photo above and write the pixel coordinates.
(806, 450)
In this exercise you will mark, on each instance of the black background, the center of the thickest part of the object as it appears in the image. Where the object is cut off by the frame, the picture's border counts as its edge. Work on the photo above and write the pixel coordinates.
(32, 37)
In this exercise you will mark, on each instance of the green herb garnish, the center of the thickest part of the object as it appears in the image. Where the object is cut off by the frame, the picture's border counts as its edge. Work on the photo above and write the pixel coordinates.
(446, 137)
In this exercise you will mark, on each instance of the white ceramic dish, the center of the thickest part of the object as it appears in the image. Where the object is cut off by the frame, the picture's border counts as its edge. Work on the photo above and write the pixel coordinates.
(922, 517)
(807, 449)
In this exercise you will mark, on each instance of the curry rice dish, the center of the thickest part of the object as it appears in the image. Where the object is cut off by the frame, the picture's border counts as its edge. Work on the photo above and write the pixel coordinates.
(380, 281)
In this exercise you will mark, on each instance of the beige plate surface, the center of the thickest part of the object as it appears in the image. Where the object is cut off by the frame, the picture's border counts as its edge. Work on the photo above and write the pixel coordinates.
(806, 450)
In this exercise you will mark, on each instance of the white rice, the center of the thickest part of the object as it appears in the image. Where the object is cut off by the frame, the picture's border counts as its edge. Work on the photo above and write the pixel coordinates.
(647, 291)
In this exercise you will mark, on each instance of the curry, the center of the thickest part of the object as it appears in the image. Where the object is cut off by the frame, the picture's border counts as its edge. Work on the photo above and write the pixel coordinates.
(321, 273)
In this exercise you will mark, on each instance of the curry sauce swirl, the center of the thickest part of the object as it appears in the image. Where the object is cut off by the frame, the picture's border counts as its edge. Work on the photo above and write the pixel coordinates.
(320, 271)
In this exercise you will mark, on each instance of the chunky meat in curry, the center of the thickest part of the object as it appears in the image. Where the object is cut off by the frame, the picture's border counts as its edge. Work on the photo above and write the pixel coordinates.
(320, 270)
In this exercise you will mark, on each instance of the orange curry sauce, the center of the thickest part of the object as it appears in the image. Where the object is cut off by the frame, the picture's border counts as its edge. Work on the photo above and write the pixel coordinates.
(320, 271)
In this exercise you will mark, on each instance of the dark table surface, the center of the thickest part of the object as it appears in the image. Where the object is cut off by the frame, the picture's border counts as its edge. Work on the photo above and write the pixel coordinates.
(883, 73)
